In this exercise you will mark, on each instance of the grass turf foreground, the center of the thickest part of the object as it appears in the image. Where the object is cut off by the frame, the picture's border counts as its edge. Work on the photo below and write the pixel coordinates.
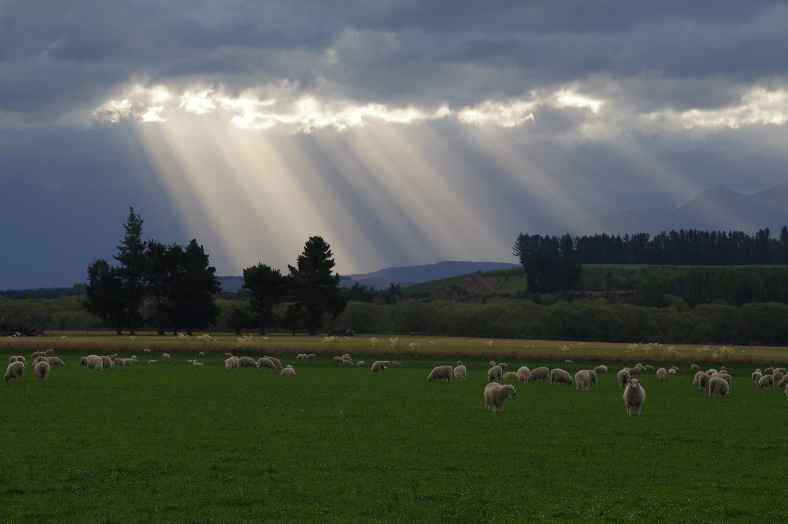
(173, 442)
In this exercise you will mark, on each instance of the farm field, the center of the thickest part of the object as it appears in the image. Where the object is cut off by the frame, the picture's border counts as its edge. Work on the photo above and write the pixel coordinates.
(172, 442)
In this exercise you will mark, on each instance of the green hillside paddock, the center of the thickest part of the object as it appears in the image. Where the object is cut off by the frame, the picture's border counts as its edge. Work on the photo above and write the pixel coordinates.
(173, 442)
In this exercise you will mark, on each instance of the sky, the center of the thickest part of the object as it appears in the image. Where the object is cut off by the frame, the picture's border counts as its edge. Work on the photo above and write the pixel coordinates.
(402, 132)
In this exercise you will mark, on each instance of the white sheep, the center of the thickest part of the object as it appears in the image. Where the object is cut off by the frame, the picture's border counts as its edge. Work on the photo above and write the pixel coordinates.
(510, 375)
(232, 363)
(675, 370)
(756, 376)
(540, 373)
(496, 394)
(55, 361)
(766, 382)
(195, 363)
(42, 369)
(95, 363)
(37, 354)
(719, 386)
(347, 362)
(601, 369)
(15, 370)
(461, 372)
(649, 367)
(523, 374)
(725, 377)
(662, 374)
(494, 374)
(165, 356)
(582, 380)
(503, 365)
(276, 361)
(395, 364)
(592, 376)
(287, 372)
(201, 354)
(440, 372)
(634, 396)
(378, 365)
(623, 377)
(559, 376)
(492, 363)
(694, 367)
(18, 358)
(49, 352)
(768, 371)
(38, 359)
(711, 372)
(146, 351)
(106, 362)
(783, 381)
(777, 375)
(249, 362)
(703, 381)
(786, 391)
(696, 379)
(120, 362)
(311, 355)
(635, 370)
(261, 363)
(567, 361)
(153, 361)
(360, 363)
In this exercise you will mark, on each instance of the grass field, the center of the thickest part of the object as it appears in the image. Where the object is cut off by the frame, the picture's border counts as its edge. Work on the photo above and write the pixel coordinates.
(179, 443)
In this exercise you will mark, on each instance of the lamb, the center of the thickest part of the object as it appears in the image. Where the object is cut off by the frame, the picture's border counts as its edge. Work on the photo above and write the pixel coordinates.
(165, 356)
(634, 396)
(494, 374)
(15, 370)
(623, 377)
(42, 369)
(378, 365)
(120, 362)
(523, 373)
(439, 372)
(263, 362)
(560, 376)
(146, 351)
(719, 386)
(154, 361)
(567, 361)
(248, 362)
(287, 372)
(510, 375)
(232, 363)
(540, 373)
(461, 372)
(55, 361)
(662, 374)
(601, 369)
(675, 370)
(201, 354)
(582, 380)
(311, 355)
(766, 382)
(496, 394)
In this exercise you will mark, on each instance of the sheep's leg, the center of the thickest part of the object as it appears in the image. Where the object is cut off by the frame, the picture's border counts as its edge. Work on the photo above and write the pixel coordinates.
(640, 409)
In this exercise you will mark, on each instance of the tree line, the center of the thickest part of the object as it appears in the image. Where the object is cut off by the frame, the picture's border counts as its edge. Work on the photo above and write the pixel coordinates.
(172, 287)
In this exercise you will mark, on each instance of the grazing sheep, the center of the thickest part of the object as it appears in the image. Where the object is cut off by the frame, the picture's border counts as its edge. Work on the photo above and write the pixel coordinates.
(264, 362)
(560, 376)
(662, 374)
(201, 354)
(287, 372)
(15, 370)
(623, 377)
(165, 356)
(496, 394)
(494, 374)
(459, 362)
(146, 351)
(38, 359)
(42, 369)
(719, 386)
(523, 373)
(461, 372)
(756, 376)
(395, 364)
(195, 363)
(228, 355)
(567, 361)
(378, 365)
(694, 367)
(18, 358)
(696, 379)
(311, 355)
(509, 375)
(634, 396)
(55, 361)
(347, 362)
(37, 354)
(249, 362)
(783, 381)
(766, 382)
(674, 368)
(582, 380)
(120, 362)
(493, 364)
(672, 371)
(635, 370)
(786, 391)
(95, 363)
(711, 372)
(439, 372)
(601, 369)
(106, 362)
(768, 371)
(301, 356)
(49, 352)
(153, 362)
(649, 367)
(276, 361)
(778, 376)
(540, 373)
(361, 363)
(592, 376)
(725, 377)
(502, 365)
(232, 363)
(703, 381)
(338, 359)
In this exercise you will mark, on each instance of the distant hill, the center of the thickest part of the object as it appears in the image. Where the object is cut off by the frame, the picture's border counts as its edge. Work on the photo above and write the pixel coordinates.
(719, 209)
(407, 275)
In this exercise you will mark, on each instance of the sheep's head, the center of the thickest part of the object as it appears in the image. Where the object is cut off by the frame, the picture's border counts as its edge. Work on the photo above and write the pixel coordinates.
(512, 392)
(635, 383)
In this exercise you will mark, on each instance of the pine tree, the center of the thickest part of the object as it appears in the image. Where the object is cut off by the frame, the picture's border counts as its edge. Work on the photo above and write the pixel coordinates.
(132, 269)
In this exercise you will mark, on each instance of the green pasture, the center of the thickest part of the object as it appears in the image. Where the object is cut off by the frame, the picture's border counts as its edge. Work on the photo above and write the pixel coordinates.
(172, 442)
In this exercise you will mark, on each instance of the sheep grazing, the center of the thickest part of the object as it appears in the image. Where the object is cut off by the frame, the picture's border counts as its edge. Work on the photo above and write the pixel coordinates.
(493, 364)
(634, 396)
(783, 381)
(662, 374)
(55, 361)
(195, 363)
(287, 372)
(502, 365)
(165, 356)
(49, 352)
(694, 367)
(95, 363)
(42, 369)
(496, 394)
(711, 371)
(37, 354)
(649, 367)
(461, 372)
(232, 363)
(523, 373)
(601, 369)
(592, 376)
(623, 377)
(540, 373)
(360, 363)
(38, 359)
(756, 376)
(348, 362)
(567, 361)
(767, 371)
(146, 351)
(766, 382)
(201, 354)
(248, 362)
(637, 370)
(494, 374)
(510, 375)
(153, 361)
(674, 368)
(725, 377)
(559, 376)
(582, 380)
(439, 372)
(228, 355)
(106, 362)
(378, 365)
(263, 362)
(778, 376)
(697, 379)
(276, 361)
(717, 385)
(15, 370)
(395, 364)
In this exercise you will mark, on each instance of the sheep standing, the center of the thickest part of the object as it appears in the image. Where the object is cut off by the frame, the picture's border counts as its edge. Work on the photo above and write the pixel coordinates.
(439, 372)
(540, 373)
(523, 373)
(15, 370)
(106, 362)
(623, 377)
(496, 394)
(55, 361)
(276, 361)
(756, 376)
(559, 376)
(662, 374)
(378, 365)
(264, 362)
(777, 376)
(461, 372)
(719, 386)
(582, 380)
(783, 381)
(766, 382)
(510, 375)
(18, 358)
(232, 363)
(592, 376)
(165, 356)
(42, 369)
(601, 369)
(249, 362)
(287, 372)
(494, 374)
(94, 363)
(634, 396)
